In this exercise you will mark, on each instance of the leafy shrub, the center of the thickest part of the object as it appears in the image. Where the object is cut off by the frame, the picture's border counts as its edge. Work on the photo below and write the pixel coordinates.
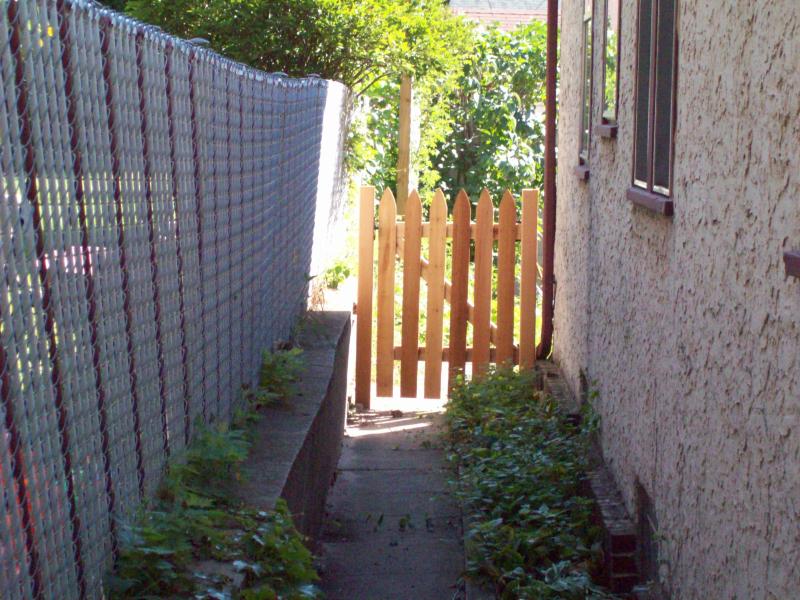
(208, 466)
(520, 465)
(280, 371)
(357, 42)
(481, 124)
(337, 274)
(366, 44)
(162, 556)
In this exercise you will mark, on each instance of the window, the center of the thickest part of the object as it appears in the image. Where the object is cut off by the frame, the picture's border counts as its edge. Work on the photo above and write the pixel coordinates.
(586, 99)
(611, 47)
(655, 102)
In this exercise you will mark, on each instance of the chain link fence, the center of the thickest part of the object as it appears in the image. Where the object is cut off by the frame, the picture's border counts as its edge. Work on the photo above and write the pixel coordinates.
(159, 209)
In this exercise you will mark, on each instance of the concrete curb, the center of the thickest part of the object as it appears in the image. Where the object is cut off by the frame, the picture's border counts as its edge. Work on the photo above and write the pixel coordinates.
(298, 443)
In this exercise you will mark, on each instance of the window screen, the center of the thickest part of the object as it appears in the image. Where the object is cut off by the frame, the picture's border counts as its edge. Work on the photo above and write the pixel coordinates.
(586, 103)
(655, 95)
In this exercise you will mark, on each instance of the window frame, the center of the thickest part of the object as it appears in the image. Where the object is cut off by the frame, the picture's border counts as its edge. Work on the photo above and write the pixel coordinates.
(646, 193)
(587, 83)
(608, 127)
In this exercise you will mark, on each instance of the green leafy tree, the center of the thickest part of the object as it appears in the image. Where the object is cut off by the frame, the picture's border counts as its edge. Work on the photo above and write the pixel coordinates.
(356, 42)
(434, 98)
(498, 139)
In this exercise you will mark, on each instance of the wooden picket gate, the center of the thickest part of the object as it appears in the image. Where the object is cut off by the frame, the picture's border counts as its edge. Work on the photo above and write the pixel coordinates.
(492, 342)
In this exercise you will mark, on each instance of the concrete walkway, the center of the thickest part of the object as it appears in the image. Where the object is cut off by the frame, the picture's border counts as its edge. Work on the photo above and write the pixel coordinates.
(393, 530)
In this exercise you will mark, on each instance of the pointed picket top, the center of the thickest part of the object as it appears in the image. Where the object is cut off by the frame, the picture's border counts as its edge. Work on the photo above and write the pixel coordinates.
(413, 198)
(508, 198)
(508, 213)
(462, 202)
(485, 205)
(439, 201)
(387, 202)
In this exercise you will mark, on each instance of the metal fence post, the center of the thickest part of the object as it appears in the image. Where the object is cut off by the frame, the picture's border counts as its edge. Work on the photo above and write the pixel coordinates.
(198, 191)
(116, 169)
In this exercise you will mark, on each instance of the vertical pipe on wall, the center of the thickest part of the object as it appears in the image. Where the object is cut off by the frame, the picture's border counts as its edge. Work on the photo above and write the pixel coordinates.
(549, 217)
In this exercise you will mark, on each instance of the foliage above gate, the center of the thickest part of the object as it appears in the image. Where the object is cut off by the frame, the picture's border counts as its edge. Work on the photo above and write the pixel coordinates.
(497, 140)
(355, 42)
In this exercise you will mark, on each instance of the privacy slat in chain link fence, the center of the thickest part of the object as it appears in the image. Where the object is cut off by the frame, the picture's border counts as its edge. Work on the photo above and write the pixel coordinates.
(159, 209)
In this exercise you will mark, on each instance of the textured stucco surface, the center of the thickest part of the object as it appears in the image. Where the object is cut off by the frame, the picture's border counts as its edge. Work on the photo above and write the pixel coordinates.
(687, 327)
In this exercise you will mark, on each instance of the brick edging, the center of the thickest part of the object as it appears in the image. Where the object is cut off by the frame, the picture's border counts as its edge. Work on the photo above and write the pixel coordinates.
(620, 571)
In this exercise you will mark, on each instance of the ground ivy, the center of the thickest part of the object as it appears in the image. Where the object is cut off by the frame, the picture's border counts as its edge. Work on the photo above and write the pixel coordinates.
(520, 465)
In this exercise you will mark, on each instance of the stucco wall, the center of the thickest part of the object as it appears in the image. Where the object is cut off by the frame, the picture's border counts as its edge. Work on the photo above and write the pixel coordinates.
(687, 326)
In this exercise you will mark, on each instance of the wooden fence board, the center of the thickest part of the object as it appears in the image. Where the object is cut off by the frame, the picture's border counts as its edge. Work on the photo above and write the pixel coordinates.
(366, 224)
(506, 265)
(483, 282)
(411, 235)
(459, 312)
(528, 273)
(387, 214)
(435, 310)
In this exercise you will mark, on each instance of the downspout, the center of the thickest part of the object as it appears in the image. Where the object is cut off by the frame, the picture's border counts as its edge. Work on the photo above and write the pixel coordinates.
(549, 217)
